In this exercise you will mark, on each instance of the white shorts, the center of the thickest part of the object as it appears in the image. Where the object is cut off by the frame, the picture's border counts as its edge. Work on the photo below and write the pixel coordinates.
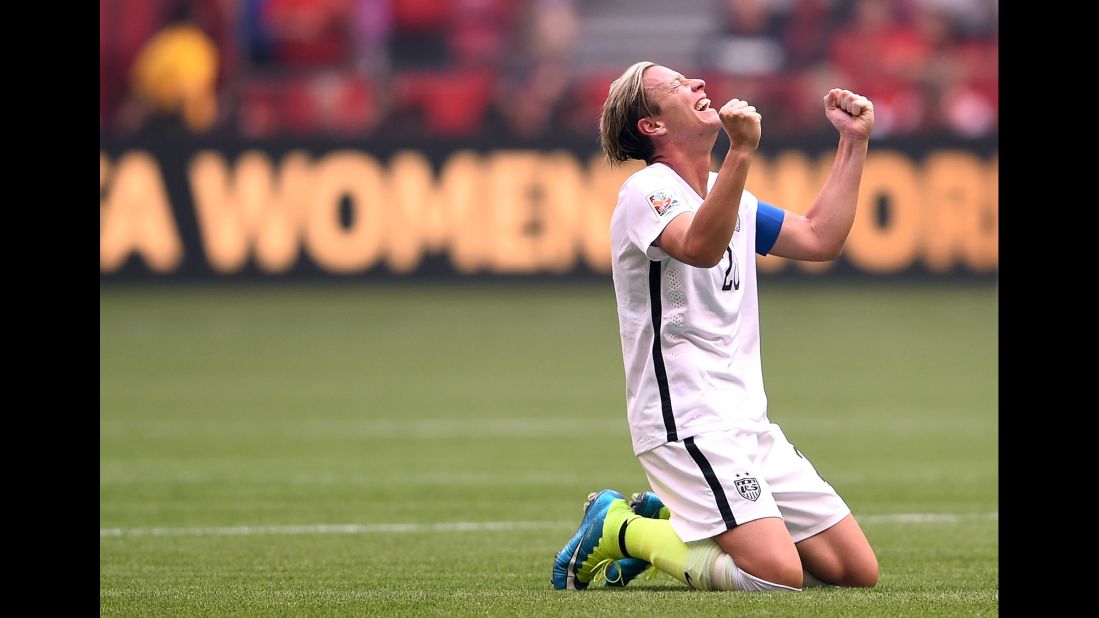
(715, 481)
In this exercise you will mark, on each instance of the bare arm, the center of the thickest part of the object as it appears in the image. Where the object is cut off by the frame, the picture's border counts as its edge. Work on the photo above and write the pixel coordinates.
(821, 232)
(700, 238)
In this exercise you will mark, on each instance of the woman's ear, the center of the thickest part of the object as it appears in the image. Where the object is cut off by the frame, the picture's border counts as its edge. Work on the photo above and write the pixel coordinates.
(650, 126)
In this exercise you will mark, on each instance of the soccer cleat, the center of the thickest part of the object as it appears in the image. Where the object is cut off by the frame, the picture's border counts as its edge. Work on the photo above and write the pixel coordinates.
(647, 504)
(589, 550)
(622, 572)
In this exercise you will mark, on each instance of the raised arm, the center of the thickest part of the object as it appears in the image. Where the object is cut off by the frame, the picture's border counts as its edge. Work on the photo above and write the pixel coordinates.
(700, 238)
(820, 233)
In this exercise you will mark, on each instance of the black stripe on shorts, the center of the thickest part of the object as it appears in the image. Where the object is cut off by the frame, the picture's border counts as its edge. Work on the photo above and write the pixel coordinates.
(711, 480)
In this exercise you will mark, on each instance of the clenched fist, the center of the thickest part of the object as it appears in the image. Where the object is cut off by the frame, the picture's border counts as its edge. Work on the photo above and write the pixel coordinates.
(852, 114)
(742, 123)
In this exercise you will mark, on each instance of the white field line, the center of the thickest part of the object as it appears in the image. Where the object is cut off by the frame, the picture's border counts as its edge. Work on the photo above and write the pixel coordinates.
(457, 526)
(926, 518)
(471, 526)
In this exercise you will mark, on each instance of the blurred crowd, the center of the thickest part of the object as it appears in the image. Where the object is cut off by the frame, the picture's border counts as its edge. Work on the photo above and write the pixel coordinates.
(465, 68)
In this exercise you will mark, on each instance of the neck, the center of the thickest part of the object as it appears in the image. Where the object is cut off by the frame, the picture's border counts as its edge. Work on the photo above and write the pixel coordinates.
(690, 158)
(693, 168)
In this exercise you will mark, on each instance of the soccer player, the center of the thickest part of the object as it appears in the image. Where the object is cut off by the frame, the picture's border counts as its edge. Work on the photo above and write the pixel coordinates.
(747, 510)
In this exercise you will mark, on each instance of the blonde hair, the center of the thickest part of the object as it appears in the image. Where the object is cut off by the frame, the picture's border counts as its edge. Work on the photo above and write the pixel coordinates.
(626, 103)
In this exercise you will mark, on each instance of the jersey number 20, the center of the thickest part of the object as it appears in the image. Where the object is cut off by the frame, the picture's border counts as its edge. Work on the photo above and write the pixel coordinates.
(732, 273)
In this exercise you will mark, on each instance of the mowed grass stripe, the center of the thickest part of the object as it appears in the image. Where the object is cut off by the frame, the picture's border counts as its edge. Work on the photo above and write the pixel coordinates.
(479, 526)
(458, 526)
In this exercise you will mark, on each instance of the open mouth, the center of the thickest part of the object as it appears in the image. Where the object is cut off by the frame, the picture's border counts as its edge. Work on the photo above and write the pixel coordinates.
(702, 105)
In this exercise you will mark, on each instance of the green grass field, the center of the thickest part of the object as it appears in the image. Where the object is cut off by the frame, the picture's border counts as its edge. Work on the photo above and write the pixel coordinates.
(235, 423)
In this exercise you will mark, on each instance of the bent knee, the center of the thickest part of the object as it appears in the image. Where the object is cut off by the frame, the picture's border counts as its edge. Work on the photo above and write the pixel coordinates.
(862, 575)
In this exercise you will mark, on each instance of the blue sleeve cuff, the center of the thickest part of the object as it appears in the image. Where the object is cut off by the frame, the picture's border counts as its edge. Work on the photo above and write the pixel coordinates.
(768, 223)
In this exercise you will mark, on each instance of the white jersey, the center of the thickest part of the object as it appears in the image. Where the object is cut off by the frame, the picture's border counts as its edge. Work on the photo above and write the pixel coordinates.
(690, 336)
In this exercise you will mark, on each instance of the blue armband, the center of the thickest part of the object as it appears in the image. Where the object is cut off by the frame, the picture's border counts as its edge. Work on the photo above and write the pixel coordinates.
(768, 223)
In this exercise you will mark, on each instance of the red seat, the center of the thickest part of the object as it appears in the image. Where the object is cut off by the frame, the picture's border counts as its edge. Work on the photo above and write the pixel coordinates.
(356, 106)
(299, 106)
(452, 104)
(260, 115)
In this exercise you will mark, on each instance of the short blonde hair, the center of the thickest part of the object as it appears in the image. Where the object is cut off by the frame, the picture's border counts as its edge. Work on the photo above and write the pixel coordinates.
(626, 103)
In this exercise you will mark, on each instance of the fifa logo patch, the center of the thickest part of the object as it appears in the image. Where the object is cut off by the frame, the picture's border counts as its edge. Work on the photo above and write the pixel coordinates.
(747, 487)
(661, 202)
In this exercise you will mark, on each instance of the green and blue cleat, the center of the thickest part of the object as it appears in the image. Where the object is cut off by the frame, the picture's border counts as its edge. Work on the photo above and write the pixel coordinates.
(622, 572)
(590, 549)
(647, 504)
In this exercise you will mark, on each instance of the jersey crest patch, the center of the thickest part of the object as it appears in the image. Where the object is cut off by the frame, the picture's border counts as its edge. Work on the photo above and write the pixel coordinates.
(661, 202)
(748, 487)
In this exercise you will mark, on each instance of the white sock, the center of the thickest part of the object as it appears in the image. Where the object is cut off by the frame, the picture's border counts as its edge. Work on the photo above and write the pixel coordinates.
(709, 568)
(701, 556)
(730, 574)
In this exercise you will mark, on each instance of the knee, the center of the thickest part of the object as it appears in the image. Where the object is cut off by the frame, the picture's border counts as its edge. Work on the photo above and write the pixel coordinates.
(791, 576)
(864, 574)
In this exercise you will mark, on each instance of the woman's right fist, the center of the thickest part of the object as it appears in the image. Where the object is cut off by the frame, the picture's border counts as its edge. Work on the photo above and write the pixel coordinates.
(741, 122)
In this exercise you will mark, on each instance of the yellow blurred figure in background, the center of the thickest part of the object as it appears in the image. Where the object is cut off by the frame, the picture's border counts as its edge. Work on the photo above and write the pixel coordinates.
(176, 72)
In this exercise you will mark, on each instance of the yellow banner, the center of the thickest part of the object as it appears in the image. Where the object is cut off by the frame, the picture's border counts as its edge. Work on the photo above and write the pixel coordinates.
(507, 211)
